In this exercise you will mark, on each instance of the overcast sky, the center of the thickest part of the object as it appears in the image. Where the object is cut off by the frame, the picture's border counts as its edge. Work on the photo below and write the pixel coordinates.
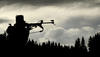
(73, 18)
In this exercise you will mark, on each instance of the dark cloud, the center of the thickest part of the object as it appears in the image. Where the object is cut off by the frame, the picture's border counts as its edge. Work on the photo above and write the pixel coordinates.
(40, 1)
(46, 2)
(4, 20)
(81, 21)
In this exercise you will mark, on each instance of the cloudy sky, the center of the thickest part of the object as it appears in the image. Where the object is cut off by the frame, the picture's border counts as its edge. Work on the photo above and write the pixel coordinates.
(73, 18)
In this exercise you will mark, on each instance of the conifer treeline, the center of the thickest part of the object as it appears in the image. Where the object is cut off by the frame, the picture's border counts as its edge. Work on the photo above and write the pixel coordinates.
(53, 48)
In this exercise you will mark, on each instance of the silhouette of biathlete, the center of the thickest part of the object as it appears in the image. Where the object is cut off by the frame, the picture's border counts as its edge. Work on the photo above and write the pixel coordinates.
(19, 33)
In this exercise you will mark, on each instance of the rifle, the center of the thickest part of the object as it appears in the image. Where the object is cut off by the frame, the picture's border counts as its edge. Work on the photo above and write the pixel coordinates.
(39, 24)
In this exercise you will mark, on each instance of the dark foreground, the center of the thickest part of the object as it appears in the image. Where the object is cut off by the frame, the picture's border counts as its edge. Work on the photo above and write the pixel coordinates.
(51, 48)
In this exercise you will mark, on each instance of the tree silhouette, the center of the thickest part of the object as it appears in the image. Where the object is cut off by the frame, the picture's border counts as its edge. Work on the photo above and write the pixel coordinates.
(77, 44)
(93, 45)
(54, 48)
(83, 47)
(80, 48)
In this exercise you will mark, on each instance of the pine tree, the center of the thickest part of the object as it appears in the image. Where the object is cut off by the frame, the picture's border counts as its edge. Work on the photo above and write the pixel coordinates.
(77, 43)
(94, 46)
(83, 46)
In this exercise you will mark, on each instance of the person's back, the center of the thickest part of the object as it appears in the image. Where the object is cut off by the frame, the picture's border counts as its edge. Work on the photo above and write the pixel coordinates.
(20, 33)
